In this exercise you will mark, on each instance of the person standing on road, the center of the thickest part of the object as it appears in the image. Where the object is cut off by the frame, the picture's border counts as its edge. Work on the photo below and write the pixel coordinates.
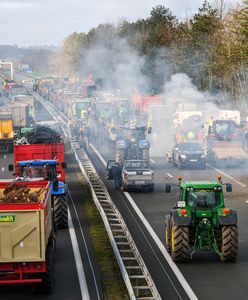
(116, 169)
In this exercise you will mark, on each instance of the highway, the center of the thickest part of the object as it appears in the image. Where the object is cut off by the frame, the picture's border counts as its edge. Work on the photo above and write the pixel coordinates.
(206, 275)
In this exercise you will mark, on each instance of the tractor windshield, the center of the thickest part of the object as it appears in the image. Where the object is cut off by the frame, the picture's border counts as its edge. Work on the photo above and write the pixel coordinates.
(224, 128)
(46, 172)
(203, 198)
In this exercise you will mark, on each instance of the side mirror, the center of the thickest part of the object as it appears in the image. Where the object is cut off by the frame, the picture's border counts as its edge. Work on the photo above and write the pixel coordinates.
(55, 185)
(167, 188)
(228, 187)
(63, 165)
(11, 168)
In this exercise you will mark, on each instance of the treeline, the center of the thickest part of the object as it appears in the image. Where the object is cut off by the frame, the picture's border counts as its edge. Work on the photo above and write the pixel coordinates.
(211, 47)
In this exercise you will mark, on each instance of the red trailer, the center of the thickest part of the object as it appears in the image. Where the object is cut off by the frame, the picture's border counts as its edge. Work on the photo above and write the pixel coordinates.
(142, 103)
(27, 246)
(41, 151)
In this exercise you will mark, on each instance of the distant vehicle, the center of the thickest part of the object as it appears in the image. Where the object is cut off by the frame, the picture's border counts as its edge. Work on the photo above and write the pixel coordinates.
(136, 175)
(188, 154)
(225, 145)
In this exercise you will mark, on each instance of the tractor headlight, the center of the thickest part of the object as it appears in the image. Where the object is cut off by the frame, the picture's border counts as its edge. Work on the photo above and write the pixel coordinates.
(183, 156)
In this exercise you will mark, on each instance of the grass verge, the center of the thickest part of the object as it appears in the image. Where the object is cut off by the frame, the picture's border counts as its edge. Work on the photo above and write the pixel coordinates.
(112, 282)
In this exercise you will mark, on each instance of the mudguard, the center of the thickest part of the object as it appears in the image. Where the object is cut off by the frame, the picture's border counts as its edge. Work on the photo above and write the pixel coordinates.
(144, 144)
(61, 190)
(180, 220)
(230, 219)
(121, 145)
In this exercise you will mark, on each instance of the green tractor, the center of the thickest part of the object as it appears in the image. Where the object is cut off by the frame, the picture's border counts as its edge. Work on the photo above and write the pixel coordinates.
(201, 222)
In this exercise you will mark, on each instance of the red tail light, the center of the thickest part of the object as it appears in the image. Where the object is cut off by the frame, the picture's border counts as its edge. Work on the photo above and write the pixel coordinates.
(225, 211)
(183, 212)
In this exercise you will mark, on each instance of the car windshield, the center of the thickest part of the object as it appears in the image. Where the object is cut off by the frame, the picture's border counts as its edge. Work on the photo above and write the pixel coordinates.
(137, 165)
(190, 147)
(202, 198)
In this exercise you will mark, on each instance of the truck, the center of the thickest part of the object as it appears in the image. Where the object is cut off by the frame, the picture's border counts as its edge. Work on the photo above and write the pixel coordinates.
(47, 160)
(19, 112)
(141, 103)
(135, 175)
(6, 133)
(27, 248)
(200, 221)
(28, 100)
(225, 145)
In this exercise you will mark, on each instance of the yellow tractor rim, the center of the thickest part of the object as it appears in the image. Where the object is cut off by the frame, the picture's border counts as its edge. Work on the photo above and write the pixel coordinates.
(172, 238)
(166, 236)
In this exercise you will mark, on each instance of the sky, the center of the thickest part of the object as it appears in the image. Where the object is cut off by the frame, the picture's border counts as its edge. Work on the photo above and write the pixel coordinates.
(49, 22)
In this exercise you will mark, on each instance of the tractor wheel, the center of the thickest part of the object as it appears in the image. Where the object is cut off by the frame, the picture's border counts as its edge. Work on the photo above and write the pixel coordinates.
(179, 239)
(168, 233)
(229, 243)
(145, 154)
(120, 156)
(47, 284)
(61, 211)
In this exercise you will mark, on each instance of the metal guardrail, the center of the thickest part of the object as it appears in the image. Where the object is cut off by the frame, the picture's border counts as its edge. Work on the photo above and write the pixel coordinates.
(136, 276)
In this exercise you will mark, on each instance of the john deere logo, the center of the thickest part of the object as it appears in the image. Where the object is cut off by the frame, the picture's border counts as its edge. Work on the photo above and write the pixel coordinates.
(6, 219)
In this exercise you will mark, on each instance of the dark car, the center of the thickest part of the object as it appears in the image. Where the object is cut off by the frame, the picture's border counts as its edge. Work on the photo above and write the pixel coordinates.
(188, 154)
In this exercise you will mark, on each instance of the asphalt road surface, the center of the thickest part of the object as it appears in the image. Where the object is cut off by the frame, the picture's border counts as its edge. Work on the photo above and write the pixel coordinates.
(207, 276)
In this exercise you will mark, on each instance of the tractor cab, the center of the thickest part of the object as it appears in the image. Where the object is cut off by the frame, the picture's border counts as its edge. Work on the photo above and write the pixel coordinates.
(201, 222)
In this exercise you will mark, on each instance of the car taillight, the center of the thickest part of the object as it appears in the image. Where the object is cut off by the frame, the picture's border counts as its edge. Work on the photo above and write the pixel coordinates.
(125, 175)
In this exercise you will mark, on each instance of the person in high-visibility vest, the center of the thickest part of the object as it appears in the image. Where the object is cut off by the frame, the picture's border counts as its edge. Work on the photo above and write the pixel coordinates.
(191, 135)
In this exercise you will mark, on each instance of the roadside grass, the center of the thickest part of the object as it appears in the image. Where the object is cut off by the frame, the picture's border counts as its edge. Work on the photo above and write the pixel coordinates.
(112, 282)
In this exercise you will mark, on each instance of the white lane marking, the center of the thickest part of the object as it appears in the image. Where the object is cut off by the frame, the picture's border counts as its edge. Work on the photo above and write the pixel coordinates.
(3, 169)
(156, 239)
(161, 247)
(153, 161)
(80, 269)
(168, 174)
(228, 176)
(99, 155)
(85, 244)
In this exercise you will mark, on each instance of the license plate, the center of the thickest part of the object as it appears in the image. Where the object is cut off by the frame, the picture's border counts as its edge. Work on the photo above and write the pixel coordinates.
(181, 203)
(193, 160)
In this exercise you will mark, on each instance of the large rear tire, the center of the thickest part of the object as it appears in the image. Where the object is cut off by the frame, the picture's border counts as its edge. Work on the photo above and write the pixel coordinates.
(229, 243)
(61, 211)
(180, 249)
(47, 284)
(120, 156)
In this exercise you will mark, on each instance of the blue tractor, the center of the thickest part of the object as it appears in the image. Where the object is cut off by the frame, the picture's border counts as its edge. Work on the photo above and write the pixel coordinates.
(46, 169)
(133, 144)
